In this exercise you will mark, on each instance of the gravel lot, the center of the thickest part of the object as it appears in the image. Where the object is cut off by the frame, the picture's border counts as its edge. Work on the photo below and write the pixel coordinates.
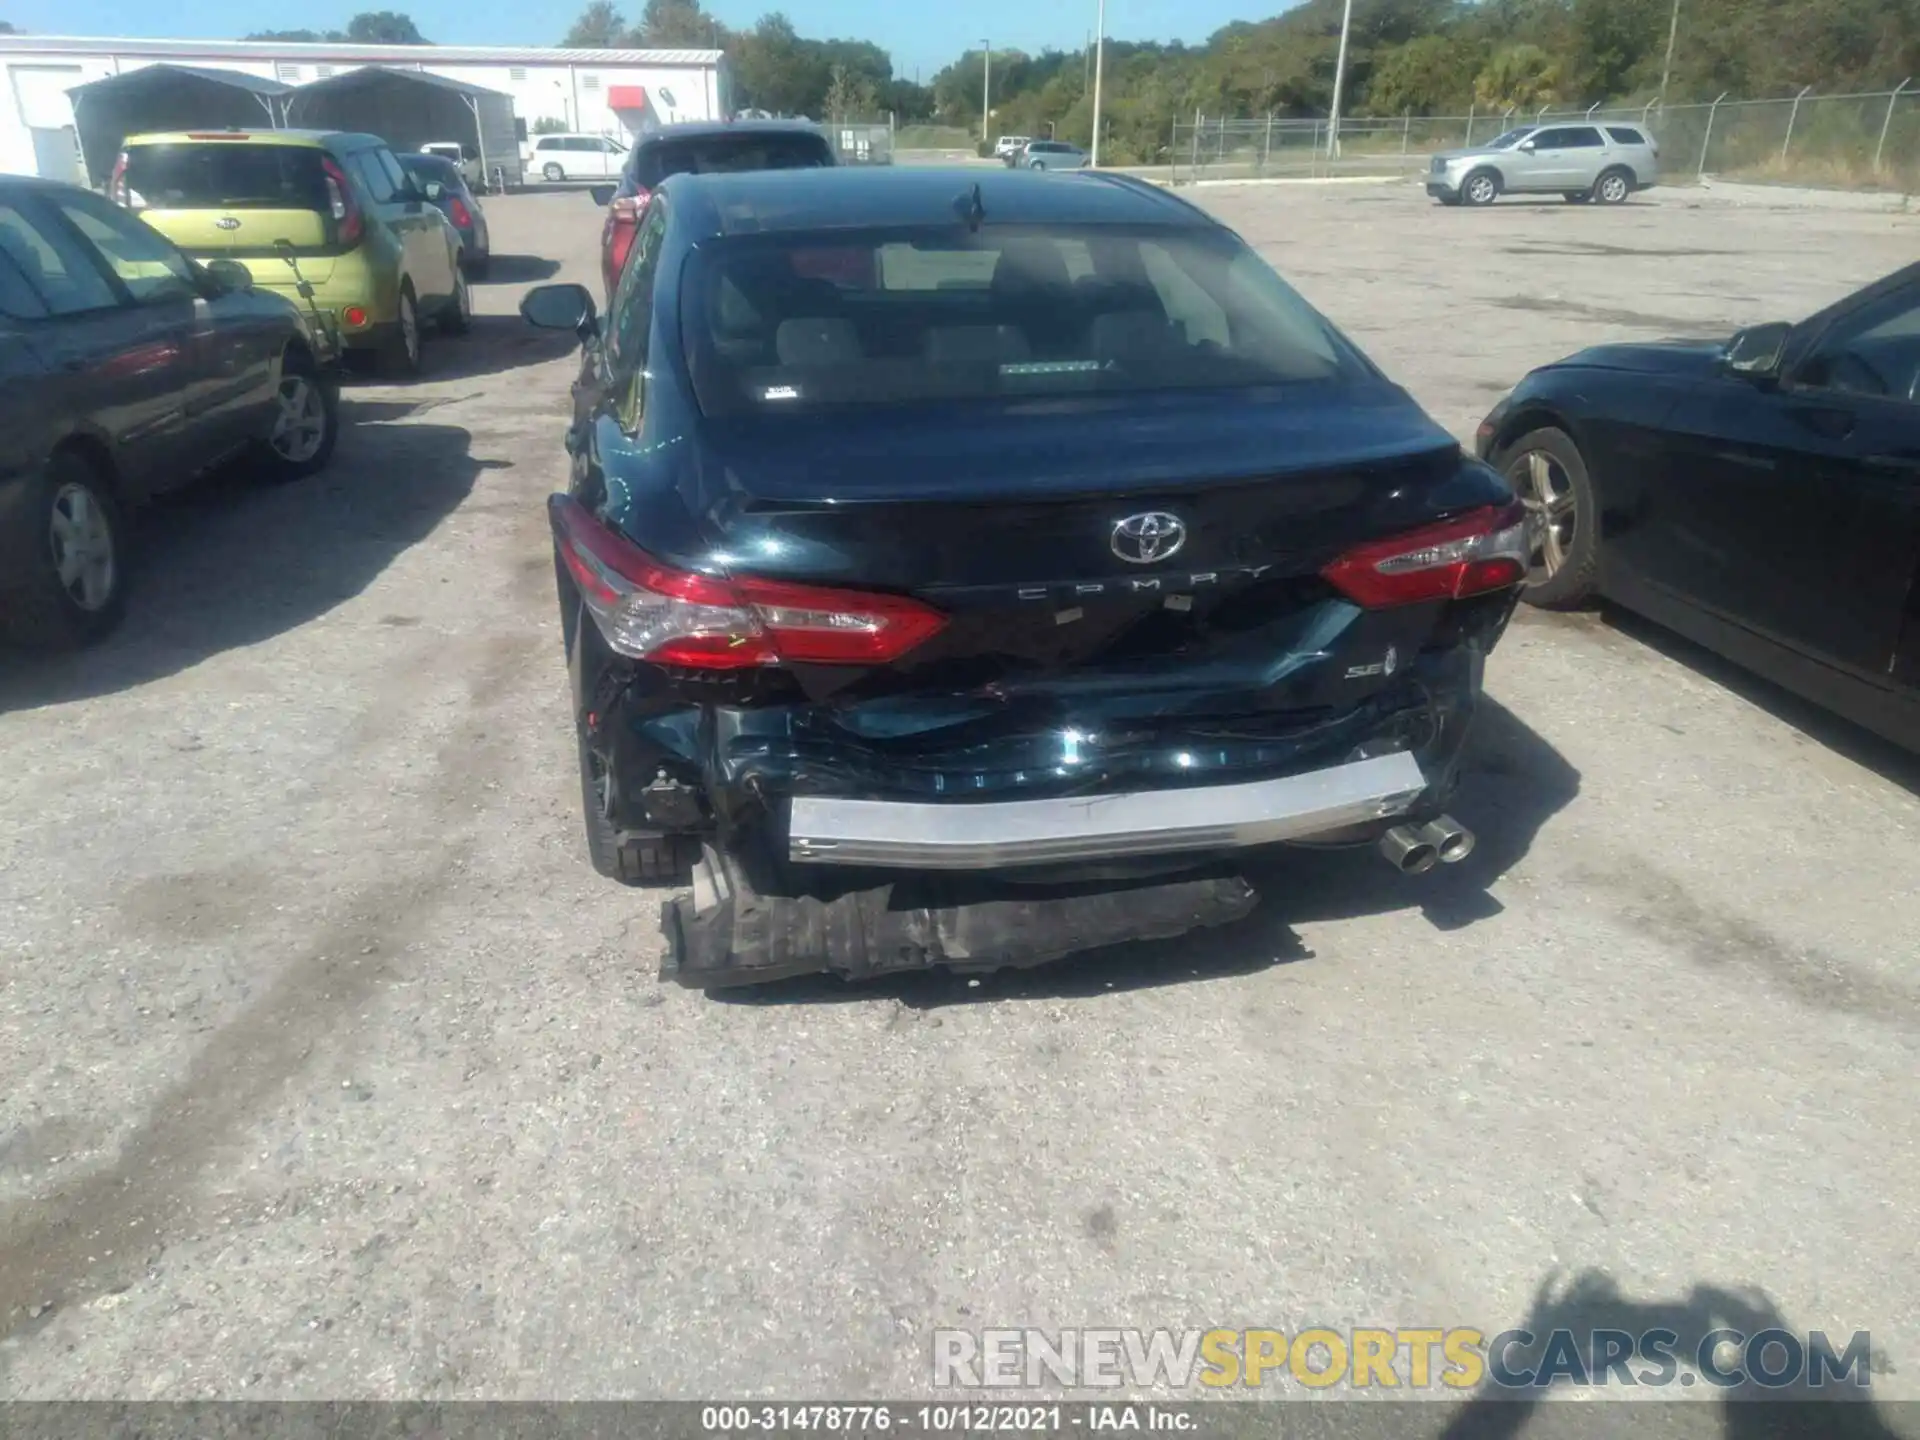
(328, 1068)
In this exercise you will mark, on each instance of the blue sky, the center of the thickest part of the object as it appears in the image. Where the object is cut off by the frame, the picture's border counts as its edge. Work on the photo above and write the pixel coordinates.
(919, 35)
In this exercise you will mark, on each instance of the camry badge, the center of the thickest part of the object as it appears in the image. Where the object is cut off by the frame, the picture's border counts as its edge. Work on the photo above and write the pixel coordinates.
(1148, 537)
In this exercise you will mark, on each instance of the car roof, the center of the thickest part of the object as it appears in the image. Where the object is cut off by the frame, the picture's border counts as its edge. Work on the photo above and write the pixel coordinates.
(886, 196)
(704, 129)
(309, 139)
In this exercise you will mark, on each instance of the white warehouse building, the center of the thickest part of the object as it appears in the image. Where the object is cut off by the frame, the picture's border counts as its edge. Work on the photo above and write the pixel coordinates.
(618, 93)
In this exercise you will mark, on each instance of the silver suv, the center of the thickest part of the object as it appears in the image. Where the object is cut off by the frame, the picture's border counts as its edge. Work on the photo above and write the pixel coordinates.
(1048, 155)
(1597, 162)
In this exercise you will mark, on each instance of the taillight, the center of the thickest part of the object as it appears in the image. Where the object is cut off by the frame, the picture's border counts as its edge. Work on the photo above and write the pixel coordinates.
(462, 216)
(652, 612)
(341, 204)
(117, 187)
(1483, 550)
(623, 215)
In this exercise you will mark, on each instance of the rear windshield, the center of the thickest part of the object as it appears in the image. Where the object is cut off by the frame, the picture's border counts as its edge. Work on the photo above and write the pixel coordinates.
(225, 175)
(875, 318)
(707, 154)
(431, 167)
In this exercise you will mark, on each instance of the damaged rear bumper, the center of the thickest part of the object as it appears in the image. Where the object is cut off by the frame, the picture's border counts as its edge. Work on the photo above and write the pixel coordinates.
(827, 830)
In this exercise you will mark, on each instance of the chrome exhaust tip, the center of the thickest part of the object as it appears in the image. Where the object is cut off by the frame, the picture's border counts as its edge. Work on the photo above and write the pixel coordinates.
(1408, 849)
(1451, 840)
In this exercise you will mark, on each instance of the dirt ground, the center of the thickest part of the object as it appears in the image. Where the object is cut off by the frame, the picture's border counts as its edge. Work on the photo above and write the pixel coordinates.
(328, 1068)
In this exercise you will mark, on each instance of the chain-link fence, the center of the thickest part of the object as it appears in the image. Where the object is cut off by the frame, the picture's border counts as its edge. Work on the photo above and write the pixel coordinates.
(861, 142)
(1865, 140)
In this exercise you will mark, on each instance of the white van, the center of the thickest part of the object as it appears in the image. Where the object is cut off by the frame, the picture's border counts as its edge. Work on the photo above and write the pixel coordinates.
(576, 157)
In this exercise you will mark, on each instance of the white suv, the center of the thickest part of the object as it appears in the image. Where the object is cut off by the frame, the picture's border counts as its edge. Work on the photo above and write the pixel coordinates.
(577, 157)
(1010, 144)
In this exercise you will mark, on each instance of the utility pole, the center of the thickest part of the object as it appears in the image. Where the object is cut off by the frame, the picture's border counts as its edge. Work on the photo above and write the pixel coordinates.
(1099, 65)
(1339, 77)
(986, 91)
(1666, 70)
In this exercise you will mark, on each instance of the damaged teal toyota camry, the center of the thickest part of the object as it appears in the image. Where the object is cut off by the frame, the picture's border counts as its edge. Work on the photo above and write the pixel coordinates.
(940, 542)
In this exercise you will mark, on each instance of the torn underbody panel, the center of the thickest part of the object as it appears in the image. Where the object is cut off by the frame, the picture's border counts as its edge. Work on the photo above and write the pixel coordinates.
(728, 932)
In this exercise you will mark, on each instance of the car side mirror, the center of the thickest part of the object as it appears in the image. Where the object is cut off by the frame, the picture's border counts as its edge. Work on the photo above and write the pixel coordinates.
(229, 277)
(1526, 147)
(603, 194)
(1757, 351)
(559, 307)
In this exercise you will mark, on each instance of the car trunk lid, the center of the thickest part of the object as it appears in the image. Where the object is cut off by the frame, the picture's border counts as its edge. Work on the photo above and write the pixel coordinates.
(1151, 545)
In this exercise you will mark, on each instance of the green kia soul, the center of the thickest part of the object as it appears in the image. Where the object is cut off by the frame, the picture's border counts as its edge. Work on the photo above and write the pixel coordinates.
(380, 259)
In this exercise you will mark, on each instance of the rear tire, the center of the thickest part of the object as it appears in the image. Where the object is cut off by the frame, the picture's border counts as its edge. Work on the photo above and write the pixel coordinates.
(306, 423)
(552, 173)
(403, 351)
(75, 591)
(657, 860)
(1482, 187)
(1550, 476)
(1613, 187)
(458, 317)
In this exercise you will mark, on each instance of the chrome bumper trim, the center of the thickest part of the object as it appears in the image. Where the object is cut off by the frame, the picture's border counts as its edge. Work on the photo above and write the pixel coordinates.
(963, 836)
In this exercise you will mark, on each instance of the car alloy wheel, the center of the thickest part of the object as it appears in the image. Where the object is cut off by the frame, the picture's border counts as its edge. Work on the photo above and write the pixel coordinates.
(1546, 490)
(553, 173)
(81, 536)
(1480, 190)
(1613, 189)
(300, 427)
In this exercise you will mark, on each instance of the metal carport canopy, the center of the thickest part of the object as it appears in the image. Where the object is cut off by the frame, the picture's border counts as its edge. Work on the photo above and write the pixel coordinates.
(406, 108)
(169, 97)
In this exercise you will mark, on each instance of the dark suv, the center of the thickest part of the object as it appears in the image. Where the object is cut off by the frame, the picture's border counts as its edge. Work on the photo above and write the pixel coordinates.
(702, 149)
(935, 522)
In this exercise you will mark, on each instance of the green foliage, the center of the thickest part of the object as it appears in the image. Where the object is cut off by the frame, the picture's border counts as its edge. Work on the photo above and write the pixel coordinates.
(549, 125)
(851, 95)
(384, 27)
(1520, 77)
(1421, 56)
(371, 27)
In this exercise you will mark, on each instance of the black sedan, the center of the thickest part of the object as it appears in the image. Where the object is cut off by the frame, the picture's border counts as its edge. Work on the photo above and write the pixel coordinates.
(447, 191)
(1760, 496)
(125, 370)
(941, 523)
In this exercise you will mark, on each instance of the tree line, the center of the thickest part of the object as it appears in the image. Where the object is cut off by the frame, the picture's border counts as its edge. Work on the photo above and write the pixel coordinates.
(1425, 57)
(372, 27)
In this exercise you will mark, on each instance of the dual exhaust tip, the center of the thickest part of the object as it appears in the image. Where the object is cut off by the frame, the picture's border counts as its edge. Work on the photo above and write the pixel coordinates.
(1416, 849)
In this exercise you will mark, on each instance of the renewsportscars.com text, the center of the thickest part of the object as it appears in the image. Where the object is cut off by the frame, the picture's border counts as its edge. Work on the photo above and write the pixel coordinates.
(1456, 1358)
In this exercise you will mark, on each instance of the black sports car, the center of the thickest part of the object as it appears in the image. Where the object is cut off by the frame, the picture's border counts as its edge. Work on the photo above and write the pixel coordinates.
(929, 522)
(1760, 496)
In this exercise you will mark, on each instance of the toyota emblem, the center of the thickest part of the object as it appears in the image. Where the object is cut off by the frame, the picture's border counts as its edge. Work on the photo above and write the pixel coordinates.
(1145, 538)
